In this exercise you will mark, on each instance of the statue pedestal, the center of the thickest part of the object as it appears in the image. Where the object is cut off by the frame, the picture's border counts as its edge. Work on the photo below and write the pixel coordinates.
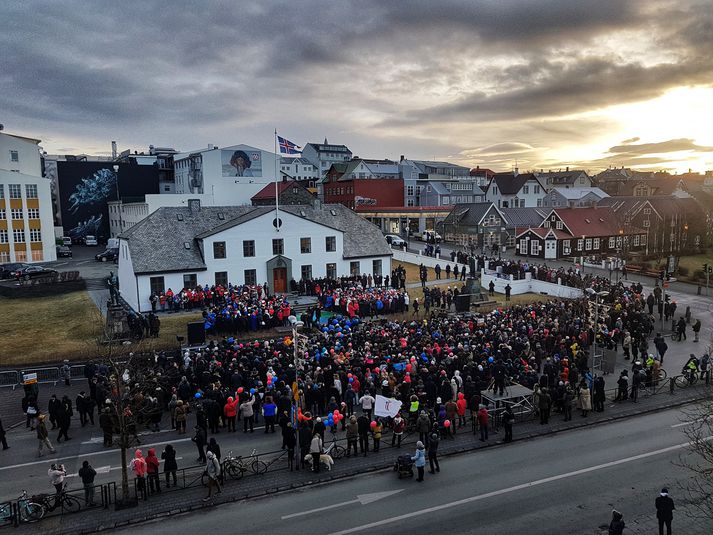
(117, 325)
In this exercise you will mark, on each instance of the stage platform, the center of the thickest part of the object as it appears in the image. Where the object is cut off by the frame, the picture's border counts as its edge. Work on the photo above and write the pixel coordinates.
(517, 396)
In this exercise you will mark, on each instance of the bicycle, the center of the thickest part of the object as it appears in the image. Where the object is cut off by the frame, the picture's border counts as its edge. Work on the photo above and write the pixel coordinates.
(687, 378)
(335, 450)
(64, 501)
(28, 510)
(236, 467)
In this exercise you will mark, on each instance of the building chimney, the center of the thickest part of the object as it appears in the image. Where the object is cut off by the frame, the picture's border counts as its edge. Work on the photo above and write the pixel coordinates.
(567, 168)
(401, 159)
(194, 205)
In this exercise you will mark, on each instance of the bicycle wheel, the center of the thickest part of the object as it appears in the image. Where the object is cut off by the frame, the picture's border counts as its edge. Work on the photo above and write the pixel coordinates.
(70, 504)
(662, 374)
(681, 381)
(234, 470)
(337, 452)
(204, 479)
(258, 467)
(32, 512)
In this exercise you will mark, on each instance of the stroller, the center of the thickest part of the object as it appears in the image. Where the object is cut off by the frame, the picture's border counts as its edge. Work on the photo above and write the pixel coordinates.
(404, 466)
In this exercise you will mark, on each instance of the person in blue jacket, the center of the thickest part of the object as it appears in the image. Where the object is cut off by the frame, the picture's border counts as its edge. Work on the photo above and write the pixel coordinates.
(419, 460)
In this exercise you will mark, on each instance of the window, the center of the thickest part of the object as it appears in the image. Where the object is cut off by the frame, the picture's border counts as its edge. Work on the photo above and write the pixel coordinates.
(35, 235)
(559, 225)
(566, 245)
(646, 223)
(20, 255)
(647, 211)
(250, 277)
(3, 213)
(31, 191)
(248, 248)
(218, 249)
(37, 256)
(4, 256)
(330, 244)
(4, 238)
(523, 246)
(643, 239)
(446, 199)
(612, 243)
(2, 191)
(354, 268)
(546, 224)
(305, 245)
(15, 191)
(376, 268)
(409, 190)
(33, 213)
(332, 271)
(636, 240)
(14, 156)
(221, 278)
(306, 272)
(534, 247)
(539, 203)
(588, 244)
(190, 280)
(596, 243)
(580, 244)
(157, 285)
(409, 202)
(278, 246)
(525, 190)
(18, 235)
(536, 189)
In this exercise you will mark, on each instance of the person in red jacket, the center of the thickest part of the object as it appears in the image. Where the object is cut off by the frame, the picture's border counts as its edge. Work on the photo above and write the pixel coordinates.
(138, 465)
(230, 411)
(152, 471)
(483, 419)
(461, 406)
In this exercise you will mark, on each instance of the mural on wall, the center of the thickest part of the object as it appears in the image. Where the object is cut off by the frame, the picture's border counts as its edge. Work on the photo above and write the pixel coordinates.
(86, 187)
(245, 163)
(195, 173)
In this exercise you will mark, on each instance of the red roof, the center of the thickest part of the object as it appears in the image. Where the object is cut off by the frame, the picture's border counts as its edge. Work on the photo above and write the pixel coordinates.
(268, 192)
(589, 221)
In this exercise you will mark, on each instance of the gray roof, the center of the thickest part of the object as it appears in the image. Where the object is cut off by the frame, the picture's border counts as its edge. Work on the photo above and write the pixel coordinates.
(468, 214)
(524, 217)
(510, 183)
(578, 193)
(157, 244)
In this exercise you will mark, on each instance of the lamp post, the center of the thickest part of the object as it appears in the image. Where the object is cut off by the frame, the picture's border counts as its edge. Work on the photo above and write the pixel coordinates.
(118, 199)
(597, 295)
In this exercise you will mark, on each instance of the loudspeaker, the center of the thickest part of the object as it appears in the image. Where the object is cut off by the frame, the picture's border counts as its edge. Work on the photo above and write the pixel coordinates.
(463, 303)
(196, 333)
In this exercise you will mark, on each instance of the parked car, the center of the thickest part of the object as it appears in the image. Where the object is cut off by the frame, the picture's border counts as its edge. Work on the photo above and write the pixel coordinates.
(7, 271)
(108, 255)
(429, 236)
(395, 241)
(66, 241)
(32, 272)
(90, 241)
(64, 252)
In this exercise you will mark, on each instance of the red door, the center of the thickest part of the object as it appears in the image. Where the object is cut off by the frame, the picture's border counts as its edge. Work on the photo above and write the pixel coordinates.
(279, 277)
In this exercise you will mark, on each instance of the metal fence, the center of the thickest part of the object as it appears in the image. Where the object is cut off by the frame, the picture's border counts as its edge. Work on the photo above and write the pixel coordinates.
(9, 378)
(44, 375)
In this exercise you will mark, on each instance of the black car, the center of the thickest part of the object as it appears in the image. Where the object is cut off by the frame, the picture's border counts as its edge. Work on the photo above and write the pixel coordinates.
(33, 272)
(109, 255)
(7, 271)
(64, 252)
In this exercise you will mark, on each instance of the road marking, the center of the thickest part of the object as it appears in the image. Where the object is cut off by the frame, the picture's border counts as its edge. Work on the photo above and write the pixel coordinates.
(691, 422)
(97, 440)
(83, 262)
(363, 499)
(522, 486)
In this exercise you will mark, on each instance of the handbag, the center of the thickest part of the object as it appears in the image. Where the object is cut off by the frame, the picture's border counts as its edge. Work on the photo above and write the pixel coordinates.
(32, 411)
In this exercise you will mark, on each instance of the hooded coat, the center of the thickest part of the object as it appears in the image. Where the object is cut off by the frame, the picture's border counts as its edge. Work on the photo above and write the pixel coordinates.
(138, 464)
(151, 462)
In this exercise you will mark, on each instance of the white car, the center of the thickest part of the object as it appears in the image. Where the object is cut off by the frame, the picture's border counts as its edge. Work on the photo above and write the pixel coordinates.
(395, 241)
(90, 241)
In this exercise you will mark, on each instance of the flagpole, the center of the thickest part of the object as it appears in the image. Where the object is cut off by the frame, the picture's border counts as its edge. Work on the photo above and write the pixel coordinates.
(277, 194)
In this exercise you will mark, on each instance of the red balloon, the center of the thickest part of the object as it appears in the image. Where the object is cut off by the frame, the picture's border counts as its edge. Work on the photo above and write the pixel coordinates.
(240, 390)
(408, 367)
(372, 425)
(349, 376)
(447, 424)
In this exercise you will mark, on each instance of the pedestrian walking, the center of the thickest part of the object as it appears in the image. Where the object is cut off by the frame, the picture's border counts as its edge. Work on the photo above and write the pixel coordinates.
(87, 473)
(483, 419)
(508, 419)
(43, 436)
(248, 414)
(433, 441)
(200, 441)
(696, 330)
(289, 439)
(213, 472)
(664, 511)
(398, 427)
(617, 525)
(3, 440)
(419, 460)
(170, 466)
(107, 426)
(508, 289)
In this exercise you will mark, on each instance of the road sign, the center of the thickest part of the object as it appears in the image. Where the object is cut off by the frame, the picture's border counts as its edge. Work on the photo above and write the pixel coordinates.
(29, 378)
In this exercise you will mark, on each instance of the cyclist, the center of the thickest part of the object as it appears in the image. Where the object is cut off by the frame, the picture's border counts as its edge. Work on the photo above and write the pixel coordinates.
(690, 369)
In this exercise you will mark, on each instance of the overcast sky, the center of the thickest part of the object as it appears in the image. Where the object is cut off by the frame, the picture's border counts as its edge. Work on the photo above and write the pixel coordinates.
(537, 83)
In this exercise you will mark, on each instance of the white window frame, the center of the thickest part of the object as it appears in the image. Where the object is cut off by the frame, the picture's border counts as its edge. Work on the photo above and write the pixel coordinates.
(588, 244)
(612, 242)
(596, 243)
(35, 235)
(523, 246)
(534, 247)
(636, 240)
(580, 244)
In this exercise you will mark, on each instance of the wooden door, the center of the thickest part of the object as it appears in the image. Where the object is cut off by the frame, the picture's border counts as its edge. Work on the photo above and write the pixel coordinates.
(279, 276)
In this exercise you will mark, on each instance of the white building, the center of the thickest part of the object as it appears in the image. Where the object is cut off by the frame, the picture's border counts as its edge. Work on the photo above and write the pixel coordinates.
(515, 190)
(231, 174)
(576, 197)
(184, 247)
(300, 169)
(26, 223)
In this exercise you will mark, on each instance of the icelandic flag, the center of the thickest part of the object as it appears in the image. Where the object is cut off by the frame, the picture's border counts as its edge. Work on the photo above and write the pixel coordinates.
(287, 147)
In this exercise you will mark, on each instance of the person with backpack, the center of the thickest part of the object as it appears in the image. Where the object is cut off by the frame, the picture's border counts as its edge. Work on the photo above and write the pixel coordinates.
(212, 470)
(138, 466)
(152, 465)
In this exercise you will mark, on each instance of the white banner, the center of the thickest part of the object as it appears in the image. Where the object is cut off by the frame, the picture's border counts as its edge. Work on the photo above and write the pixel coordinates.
(386, 406)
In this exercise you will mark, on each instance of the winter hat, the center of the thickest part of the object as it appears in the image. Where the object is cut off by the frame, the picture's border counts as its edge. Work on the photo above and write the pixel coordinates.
(664, 491)
(438, 400)
(419, 445)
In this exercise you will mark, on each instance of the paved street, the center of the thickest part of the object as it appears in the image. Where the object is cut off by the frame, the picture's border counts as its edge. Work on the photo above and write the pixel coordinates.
(566, 483)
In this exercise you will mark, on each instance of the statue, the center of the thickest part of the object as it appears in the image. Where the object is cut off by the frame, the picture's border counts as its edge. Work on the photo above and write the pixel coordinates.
(113, 283)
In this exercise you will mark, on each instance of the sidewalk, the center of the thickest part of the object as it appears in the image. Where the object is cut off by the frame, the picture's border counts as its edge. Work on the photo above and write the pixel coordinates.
(648, 524)
(280, 480)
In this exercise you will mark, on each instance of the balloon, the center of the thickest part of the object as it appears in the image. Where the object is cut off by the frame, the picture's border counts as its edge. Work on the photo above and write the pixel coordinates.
(490, 359)
(198, 395)
(372, 425)
(240, 390)
(336, 411)
(351, 379)
(349, 375)
(447, 424)
(252, 390)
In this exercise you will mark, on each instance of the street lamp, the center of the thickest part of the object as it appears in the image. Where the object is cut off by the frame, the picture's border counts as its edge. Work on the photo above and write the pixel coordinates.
(118, 199)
